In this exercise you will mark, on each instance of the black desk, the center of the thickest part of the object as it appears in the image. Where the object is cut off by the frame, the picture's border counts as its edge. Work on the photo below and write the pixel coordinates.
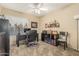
(23, 37)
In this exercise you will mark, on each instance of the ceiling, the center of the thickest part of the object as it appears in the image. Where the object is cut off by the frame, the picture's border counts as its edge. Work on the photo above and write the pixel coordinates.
(29, 7)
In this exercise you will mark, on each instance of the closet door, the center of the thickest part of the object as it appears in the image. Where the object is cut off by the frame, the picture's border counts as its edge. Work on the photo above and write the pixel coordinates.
(78, 37)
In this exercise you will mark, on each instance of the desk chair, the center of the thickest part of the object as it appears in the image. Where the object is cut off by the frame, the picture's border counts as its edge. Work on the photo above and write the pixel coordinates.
(31, 37)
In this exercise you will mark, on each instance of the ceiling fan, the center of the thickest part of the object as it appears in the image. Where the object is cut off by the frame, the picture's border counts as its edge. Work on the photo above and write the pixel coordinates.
(38, 8)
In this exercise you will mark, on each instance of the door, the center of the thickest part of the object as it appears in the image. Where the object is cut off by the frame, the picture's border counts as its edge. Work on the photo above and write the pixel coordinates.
(78, 37)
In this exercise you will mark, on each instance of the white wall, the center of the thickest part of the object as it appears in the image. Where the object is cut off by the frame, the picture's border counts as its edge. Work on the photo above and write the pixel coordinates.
(78, 35)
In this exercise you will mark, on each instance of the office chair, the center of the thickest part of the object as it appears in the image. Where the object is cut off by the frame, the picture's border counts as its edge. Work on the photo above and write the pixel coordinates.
(31, 37)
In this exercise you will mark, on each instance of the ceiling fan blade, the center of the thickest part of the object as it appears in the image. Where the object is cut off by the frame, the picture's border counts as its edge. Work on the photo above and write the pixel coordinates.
(44, 9)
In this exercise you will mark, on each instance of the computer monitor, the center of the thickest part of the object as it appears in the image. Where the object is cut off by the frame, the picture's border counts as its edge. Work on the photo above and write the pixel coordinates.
(26, 29)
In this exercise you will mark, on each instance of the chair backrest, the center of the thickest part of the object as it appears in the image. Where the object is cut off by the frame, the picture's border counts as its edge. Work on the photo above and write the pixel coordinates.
(64, 35)
(32, 35)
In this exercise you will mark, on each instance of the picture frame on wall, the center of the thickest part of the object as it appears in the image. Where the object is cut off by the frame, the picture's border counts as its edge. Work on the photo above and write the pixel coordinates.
(34, 25)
